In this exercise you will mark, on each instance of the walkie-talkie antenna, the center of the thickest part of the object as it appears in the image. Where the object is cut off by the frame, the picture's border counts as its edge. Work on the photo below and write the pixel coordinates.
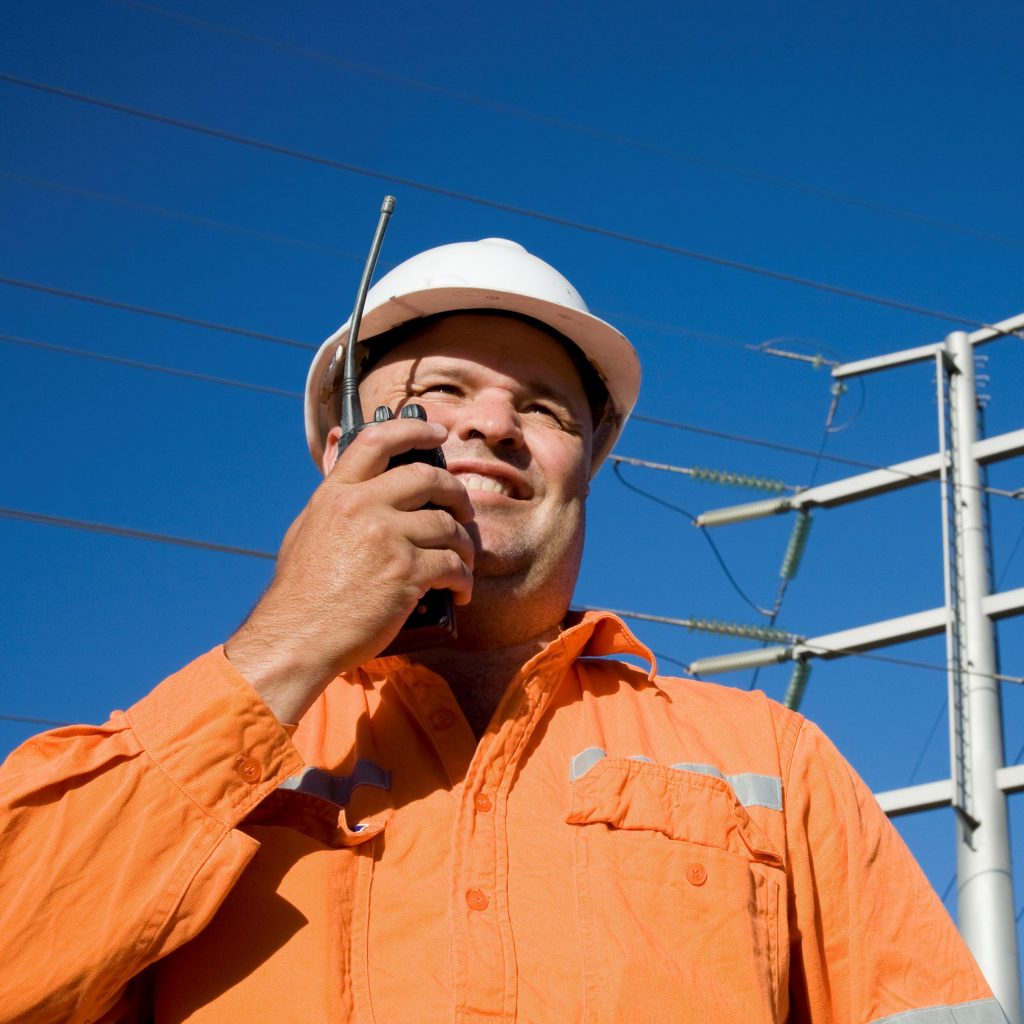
(351, 415)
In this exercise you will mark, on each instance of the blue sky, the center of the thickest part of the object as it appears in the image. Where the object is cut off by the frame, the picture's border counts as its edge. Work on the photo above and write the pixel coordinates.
(863, 146)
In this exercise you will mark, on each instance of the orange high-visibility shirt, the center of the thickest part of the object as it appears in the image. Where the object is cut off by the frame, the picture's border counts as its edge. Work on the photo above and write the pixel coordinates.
(618, 847)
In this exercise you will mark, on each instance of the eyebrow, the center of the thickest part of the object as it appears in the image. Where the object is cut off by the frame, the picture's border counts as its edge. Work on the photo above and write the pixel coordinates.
(534, 386)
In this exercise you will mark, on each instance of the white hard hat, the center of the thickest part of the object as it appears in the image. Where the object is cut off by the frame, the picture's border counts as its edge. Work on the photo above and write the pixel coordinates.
(493, 273)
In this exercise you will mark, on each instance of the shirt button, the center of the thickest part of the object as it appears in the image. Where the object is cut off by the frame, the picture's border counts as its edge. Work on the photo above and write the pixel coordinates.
(441, 718)
(476, 900)
(249, 768)
(482, 802)
(696, 874)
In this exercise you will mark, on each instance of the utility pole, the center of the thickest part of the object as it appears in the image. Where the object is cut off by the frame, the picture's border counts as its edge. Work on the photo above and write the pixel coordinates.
(979, 782)
(984, 873)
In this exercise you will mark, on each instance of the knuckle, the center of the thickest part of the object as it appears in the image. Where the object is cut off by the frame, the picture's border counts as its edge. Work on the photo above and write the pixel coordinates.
(375, 533)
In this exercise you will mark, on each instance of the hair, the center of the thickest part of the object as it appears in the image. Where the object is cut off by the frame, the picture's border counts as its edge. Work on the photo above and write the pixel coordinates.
(376, 348)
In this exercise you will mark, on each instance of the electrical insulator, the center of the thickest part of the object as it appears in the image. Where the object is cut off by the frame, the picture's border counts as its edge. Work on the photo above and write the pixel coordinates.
(741, 513)
(797, 685)
(721, 476)
(765, 633)
(797, 543)
(744, 659)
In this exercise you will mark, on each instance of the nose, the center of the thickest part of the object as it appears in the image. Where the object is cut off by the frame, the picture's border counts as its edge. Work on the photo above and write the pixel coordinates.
(493, 419)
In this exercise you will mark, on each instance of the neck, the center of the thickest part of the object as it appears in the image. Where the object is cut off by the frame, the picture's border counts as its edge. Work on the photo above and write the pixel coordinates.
(479, 676)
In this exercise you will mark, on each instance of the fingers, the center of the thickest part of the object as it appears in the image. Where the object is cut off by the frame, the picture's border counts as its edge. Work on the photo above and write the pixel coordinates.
(368, 454)
(447, 571)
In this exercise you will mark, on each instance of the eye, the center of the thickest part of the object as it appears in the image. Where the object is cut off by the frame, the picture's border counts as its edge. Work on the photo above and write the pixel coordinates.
(544, 410)
(436, 389)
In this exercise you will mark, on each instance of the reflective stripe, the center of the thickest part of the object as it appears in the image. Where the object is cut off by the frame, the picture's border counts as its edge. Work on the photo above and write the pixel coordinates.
(981, 1011)
(751, 788)
(338, 788)
(582, 763)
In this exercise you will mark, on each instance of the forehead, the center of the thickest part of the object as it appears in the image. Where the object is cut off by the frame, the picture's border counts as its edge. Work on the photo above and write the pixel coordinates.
(508, 347)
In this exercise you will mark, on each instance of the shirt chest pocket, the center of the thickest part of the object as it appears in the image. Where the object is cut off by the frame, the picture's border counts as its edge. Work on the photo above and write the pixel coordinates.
(681, 898)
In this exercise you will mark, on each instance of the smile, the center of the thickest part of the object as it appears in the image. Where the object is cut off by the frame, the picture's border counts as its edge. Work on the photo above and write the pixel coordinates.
(477, 482)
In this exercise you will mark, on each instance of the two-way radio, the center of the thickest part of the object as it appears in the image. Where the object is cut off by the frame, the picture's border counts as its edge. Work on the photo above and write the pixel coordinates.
(433, 618)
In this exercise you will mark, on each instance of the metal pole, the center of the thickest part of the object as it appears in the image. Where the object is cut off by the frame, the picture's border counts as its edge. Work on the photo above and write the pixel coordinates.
(985, 881)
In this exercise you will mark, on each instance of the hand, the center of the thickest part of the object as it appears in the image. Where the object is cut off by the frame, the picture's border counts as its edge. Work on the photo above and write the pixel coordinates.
(353, 565)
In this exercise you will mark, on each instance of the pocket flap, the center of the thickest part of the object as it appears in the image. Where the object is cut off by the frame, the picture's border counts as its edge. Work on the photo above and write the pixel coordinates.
(624, 793)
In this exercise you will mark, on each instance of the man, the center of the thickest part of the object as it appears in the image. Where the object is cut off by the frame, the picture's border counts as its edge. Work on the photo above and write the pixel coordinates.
(507, 826)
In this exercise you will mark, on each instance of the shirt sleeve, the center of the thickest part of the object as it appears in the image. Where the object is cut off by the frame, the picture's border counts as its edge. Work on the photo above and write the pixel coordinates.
(869, 937)
(120, 841)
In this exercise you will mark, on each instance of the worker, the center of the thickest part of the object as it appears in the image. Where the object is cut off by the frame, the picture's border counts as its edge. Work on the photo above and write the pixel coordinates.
(508, 824)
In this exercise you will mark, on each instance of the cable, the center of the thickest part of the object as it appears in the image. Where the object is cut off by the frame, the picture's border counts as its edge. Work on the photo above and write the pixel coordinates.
(188, 218)
(617, 470)
(152, 367)
(949, 886)
(574, 126)
(493, 204)
(209, 325)
(227, 382)
(902, 662)
(33, 721)
(705, 337)
(928, 740)
(1010, 558)
(64, 522)
(713, 476)
(805, 452)
(123, 531)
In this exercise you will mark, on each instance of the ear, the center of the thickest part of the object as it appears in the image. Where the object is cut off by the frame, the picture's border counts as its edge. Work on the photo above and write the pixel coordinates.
(330, 455)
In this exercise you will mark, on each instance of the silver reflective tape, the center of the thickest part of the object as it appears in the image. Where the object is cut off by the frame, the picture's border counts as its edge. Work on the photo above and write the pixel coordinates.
(751, 789)
(338, 788)
(980, 1011)
(583, 762)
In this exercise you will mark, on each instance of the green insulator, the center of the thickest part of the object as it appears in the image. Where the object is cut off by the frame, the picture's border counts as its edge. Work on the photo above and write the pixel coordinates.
(797, 685)
(797, 543)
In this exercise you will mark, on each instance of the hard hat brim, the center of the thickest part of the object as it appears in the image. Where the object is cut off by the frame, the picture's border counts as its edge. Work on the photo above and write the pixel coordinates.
(608, 351)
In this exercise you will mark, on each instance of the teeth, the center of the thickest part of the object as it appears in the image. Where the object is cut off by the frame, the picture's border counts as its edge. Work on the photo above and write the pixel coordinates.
(476, 482)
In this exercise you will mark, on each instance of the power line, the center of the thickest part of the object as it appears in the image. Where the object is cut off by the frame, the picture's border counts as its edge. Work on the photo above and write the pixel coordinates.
(97, 300)
(617, 470)
(492, 204)
(573, 126)
(34, 721)
(805, 452)
(229, 382)
(122, 531)
(179, 215)
(136, 364)
(902, 662)
(64, 522)
(705, 337)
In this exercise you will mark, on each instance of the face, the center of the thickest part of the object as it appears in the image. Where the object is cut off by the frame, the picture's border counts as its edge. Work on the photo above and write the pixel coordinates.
(519, 437)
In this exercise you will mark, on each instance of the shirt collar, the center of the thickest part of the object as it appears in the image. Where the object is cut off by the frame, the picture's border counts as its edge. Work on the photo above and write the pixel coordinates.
(585, 634)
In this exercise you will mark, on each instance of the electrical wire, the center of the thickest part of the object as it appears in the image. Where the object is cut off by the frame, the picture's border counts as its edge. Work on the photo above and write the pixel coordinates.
(928, 740)
(67, 523)
(573, 126)
(136, 364)
(725, 435)
(97, 300)
(617, 470)
(493, 204)
(27, 720)
(1010, 557)
(228, 382)
(179, 215)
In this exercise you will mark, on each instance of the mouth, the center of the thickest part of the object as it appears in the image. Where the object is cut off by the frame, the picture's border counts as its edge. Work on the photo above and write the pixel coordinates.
(480, 479)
